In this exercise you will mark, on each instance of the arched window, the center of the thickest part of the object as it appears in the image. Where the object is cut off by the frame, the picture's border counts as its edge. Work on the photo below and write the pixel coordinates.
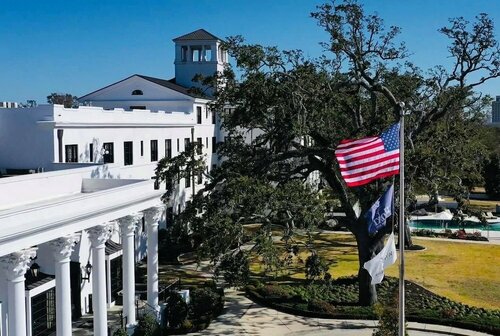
(137, 93)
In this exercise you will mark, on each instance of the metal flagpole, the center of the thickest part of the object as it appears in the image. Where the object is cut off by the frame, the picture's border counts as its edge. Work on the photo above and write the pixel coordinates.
(401, 222)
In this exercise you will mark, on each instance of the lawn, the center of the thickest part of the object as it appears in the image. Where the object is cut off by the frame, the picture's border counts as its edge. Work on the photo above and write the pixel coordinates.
(467, 273)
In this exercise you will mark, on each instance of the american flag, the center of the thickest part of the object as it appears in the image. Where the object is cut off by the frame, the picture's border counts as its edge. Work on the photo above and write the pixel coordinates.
(364, 160)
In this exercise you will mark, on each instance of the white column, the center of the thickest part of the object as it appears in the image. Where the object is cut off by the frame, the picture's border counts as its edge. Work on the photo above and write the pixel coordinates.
(15, 266)
(152, 216)
(98, 236)
(62, 249)
(127, 227)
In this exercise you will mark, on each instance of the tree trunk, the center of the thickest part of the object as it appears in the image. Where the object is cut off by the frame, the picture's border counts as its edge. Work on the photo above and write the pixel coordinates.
(408, 240)
(368, 247)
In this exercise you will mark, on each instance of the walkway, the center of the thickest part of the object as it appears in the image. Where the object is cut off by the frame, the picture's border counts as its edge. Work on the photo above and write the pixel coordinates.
(244, 317)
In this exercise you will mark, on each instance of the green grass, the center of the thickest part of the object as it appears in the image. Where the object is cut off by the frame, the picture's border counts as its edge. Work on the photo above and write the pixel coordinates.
(467, 273)
(463, 272)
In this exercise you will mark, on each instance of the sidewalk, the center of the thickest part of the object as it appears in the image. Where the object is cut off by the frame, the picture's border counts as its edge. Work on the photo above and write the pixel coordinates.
(244, 317)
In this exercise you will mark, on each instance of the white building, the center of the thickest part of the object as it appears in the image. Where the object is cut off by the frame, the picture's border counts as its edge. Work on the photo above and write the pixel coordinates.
(495, 111)
(90, 199)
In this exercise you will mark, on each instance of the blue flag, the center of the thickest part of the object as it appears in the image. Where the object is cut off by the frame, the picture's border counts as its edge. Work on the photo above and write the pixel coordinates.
(380, 211)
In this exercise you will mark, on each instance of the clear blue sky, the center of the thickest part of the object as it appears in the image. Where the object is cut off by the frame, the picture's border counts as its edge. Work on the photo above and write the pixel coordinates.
(78, 46)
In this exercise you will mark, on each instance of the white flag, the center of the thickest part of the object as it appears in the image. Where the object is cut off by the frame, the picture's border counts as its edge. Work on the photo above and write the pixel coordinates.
(385, 258)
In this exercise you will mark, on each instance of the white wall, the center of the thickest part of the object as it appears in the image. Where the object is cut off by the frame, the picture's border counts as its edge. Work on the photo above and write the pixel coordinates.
(23, 142)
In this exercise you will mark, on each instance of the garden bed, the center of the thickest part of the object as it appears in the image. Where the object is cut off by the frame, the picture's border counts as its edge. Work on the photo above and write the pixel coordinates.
(338, 299)
(458, 234)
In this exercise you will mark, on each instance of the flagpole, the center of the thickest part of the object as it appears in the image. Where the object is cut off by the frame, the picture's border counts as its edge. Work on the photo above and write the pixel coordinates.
(401, 221)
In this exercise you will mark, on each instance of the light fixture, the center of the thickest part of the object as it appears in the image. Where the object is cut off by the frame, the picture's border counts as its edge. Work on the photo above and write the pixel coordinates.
(35, 270)
(87, 270)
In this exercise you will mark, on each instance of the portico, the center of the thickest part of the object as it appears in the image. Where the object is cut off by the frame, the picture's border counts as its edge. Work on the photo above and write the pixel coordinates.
(74, 228)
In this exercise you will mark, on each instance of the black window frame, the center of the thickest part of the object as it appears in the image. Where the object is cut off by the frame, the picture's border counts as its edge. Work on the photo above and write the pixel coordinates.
(214, 117)
(154, 150)
(214, 145)
(142, 148)
(198, 115)
(187, 141)
(91, 152)
(187, 180)
(71, 153)
(108, 157)
(168, 148)
(199, 145)
(128, 156)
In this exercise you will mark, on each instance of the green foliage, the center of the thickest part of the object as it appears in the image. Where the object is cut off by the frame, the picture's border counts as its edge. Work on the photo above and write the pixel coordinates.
(120, 332)
(176, 311)
(300, 110)
(185, 165)
(147, 326)
(235, 268)
(65, 99)
(315, 267)
(205, 302)
(388, 315)
(339, 300)
(492, 176)
(321, 306)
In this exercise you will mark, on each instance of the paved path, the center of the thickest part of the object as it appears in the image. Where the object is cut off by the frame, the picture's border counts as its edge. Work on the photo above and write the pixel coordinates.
(244, 317)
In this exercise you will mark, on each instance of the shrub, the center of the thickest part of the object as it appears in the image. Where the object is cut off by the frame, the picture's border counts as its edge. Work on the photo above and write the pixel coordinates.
(147, 326)
(176, 310)
(275, 291)
(321, 306)
(235, 269)
(187, 325)
(204, 301)
(315, 267)
(120, 332)
(388, 316)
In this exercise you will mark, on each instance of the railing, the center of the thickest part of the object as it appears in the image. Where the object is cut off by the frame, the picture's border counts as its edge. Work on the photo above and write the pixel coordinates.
(164, 292)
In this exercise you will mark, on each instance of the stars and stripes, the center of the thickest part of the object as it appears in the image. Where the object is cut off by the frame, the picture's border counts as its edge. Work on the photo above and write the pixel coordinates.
(364, 160)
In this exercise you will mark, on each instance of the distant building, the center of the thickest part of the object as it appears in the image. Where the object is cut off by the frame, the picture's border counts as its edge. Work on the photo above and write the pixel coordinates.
(8, 105)
(495, 111)
(88, 210)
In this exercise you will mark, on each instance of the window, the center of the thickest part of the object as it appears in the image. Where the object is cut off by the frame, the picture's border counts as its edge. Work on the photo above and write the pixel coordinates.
(208, 53)
(214, 145)
(186, 144)
(137, 107)
(71, 153)
(184, 50)
(154, 150)
(137, 93)
(199, 146)
(107, 152)
(142, 148)
(170, 216)
(128, 153)
(196, 54)
(91, 152)
(206, 113)
(168, 148)
(178, 146)
(206, 142)
(188, 180)
(198, 114)
(200, 177)
(213, 117)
